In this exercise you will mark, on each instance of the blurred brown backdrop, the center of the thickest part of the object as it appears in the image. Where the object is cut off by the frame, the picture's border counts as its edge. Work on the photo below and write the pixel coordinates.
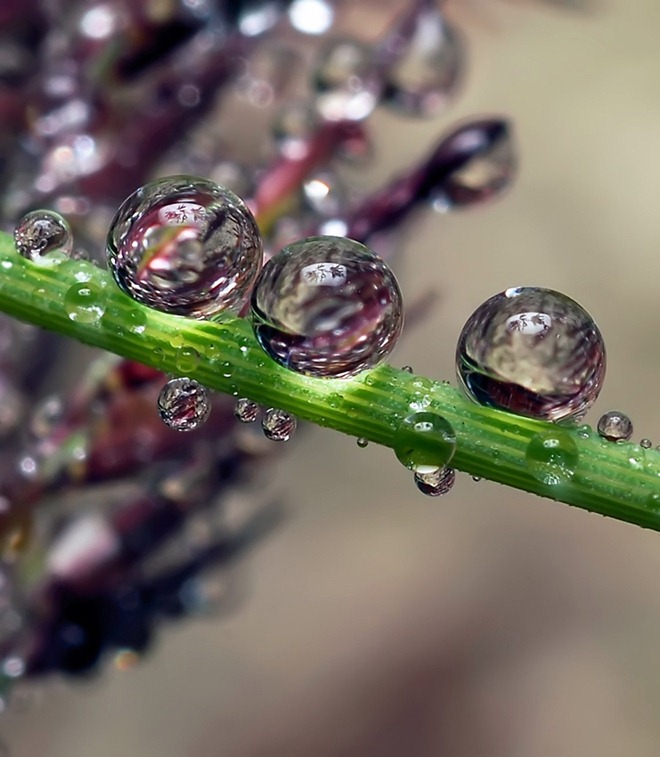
(378, 622)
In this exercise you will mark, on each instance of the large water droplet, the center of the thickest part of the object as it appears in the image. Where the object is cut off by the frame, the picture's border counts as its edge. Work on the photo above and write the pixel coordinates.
(476, 162)
(347, 82)
(552, 457)
(185, 245)
(424, 442)
(615, 426)
(437, 483)
(534, 352)
(278, 425)
(41, 232)
(328, 307)
(246, 410)
(184, 404)
(426, 73)
(84, 302)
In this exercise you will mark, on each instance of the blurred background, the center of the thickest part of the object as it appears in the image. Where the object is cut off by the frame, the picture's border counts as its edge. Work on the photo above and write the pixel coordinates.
(375, 621)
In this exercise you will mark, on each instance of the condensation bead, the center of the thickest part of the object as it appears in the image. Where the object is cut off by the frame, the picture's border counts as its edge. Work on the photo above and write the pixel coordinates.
(346, 81)
(185, 245)
(42, 231)
(437, 483)
(615, 426)
(552, 457)
(278, 425)
(246, 410)
(184, 404)
(534, 352)
(424, 442)
(327, 307)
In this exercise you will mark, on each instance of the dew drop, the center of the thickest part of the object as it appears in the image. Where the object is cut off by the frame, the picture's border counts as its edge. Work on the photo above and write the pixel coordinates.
(41, 232)
(84, 303)
(407, 369)
(186, 359)
(437, 483)
(346, 81)
(646, 444)
(585, 431)
(227, 369)
(476, 479)
(427, 72)
(534, 352)
(424, 442)
(362, 442)
(184, 404)
(278, 425)
(136, 321)
(615, 426)
(552, 457)
(185, 245)
(246, 410)
(327, 307)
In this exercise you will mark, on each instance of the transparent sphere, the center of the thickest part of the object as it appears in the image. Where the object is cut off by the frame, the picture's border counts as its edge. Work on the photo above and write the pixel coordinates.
(615, 426)
(40, 232)
(184, 404)
(437, 483)
(347, 82)
(278, 425)
(327, 307)
(185, 245)
(534, 352)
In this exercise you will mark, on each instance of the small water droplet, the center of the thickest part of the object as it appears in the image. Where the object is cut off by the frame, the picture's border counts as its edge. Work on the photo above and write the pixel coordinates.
(187, 359)
(437, 483)
(476, 479)
(84, 303)
(185, 245)
(584, 431)
(362, 442)
(424, 442)
(327, 307)
(407, 368)
(646, 443)
(615, 426)
(136, 321)
(227, 369)
(184, 404)
(534, 352)
(552, 457)
(41, 232)
(246, 410)
(278, 425)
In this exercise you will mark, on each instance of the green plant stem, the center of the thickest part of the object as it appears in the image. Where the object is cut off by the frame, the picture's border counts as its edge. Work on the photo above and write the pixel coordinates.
(618, 480)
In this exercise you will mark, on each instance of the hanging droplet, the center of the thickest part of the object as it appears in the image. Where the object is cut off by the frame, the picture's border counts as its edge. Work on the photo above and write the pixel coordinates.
(183, 404)
(327, 307)
(473, 164)
(424, 442)
(552, 457)
(362, 442)
(646, 444)
(41, 232)
(615, 426)
(534, 352)
(346, 81)
(426, 73)
(185, 245)
(437, 483)
(278, 425)
(85, 303)
(246, 411)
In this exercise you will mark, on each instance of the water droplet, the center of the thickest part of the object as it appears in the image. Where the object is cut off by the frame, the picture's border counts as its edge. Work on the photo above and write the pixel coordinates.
(474, 163)
(84, 303)
(41, 232)
(585, 431)
(227, 369)
(552, 457)
(186, 359)
(476, 479)
(362, 442)
(346, 81)
(646, 443)
(136, 321)
(407, 369)
(534, 352)
(427, 72)
(424, 442)
(278, 425)
(185, 245)
(183, 404)
(246, 410)
(437, 483)
(327, 307)
(615, 426)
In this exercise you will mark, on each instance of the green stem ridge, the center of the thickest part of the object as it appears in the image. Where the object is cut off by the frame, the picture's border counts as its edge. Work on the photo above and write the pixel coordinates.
(618, 480)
